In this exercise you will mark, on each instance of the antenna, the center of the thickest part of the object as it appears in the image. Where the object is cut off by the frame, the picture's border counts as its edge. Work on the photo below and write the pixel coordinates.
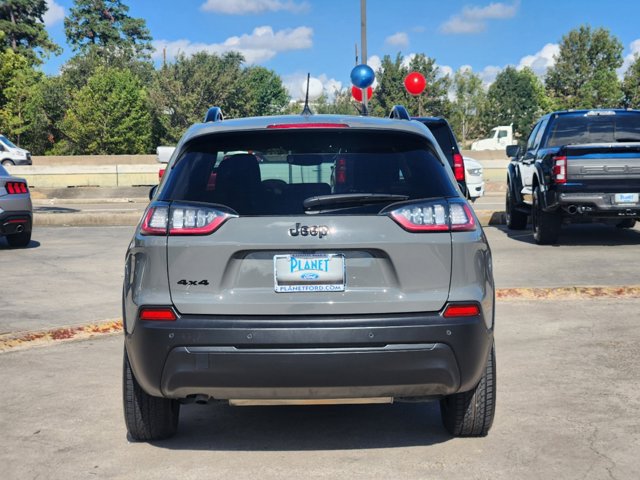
(306, 110)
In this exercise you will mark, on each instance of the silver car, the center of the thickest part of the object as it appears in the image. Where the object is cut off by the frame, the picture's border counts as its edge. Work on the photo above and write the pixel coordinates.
(341, 266)
(16, 211)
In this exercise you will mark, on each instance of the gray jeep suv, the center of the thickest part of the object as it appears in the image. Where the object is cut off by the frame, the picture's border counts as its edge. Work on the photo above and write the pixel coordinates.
(308, 259)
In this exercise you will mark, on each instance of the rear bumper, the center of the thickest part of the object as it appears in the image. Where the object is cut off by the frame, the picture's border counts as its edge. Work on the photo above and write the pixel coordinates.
(15, 222)
(597, 205)
(412, 355)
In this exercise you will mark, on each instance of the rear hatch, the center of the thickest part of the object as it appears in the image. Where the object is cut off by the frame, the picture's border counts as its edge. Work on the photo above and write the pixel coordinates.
(309, 222)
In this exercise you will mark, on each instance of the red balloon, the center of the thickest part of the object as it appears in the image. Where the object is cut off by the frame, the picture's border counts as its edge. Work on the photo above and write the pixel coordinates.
(357, 93)
(415, 83)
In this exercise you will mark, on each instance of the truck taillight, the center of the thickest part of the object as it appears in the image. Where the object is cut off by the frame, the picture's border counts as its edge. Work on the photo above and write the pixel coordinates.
(435, 216)
(458, 167)
(559, 169)
(182, 220)
(16, 188)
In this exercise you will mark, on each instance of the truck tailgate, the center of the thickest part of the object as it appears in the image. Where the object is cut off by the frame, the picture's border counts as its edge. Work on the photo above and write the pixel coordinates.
(605, 164)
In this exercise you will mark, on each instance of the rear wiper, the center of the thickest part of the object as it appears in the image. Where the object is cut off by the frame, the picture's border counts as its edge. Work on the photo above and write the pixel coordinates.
(352, 199)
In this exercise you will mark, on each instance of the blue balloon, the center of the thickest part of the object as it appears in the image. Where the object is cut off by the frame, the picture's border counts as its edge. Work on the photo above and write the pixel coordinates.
(362, 76)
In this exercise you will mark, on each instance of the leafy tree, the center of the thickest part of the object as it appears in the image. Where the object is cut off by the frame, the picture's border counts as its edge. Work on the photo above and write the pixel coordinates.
(516, 97)
(105, 26)
(18, 81)
(584, 75)
(390, 90)
(265, 94)
(109, 115)
(183, 91)
(468, 105)
(631, 85)
(22, 29)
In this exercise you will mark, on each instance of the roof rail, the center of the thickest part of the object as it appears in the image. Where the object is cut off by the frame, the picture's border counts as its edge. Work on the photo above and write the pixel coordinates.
(399, 112)
(214, 114)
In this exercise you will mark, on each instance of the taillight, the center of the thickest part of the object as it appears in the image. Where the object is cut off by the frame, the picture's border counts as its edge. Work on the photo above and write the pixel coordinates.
(182, 220)
(461, 310)
(559, 169)
(308, 125)
(15, 188)
(458, 167)
(157, 314)
(161, 173)
(435, 216)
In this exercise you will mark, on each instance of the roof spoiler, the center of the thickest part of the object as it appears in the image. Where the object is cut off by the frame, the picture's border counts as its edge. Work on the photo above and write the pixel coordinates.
(214, 114)
(399, 113)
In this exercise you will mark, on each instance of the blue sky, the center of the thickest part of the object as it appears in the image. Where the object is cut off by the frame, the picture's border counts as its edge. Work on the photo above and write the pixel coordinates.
(293, 37)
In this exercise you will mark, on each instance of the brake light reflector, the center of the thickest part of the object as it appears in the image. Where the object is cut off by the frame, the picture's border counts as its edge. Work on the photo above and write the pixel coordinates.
(458, 167)
(559, 169)
(182, 220)
(435, 216)
(461, 310)
(15, 188)
(162, 314)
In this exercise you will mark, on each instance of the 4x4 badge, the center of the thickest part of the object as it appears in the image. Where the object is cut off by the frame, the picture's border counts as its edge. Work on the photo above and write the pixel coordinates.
(309, 230)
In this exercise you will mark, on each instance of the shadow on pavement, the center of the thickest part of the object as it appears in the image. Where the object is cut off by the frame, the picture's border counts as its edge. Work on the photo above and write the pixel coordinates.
(221, 427)
(594, 234)
(5, 246)
(42, 209)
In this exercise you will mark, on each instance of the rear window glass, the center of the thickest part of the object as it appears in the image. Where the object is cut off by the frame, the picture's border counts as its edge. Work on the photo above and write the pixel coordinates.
(272, 172)
(575, 130)
(445, 139)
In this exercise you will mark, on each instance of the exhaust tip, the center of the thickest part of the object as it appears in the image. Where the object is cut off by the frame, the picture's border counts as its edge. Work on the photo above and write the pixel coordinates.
(19, 229)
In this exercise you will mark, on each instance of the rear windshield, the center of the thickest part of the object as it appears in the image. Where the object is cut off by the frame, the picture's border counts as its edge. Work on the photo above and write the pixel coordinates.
(273, 172)
(608, 128)
(444, 137)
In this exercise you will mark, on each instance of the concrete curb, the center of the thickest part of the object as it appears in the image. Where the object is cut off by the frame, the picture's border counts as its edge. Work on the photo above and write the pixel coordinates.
(23, 340)
(131, 219)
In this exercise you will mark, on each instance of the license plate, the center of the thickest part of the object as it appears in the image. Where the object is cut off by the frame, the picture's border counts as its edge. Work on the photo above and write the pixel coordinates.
(309, 273)
(626, 198)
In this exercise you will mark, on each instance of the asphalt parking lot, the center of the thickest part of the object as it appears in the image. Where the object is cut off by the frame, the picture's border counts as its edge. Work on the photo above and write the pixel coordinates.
(568, 376)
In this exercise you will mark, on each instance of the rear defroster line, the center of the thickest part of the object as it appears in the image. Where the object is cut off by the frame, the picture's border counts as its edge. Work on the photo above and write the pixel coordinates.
(22, 340)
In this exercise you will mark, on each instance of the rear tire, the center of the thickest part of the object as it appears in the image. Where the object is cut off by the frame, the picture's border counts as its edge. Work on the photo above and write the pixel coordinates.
(7, 163)
(515, 219)
(627, 223)
(470, 414)
(546, 225)
(147, 418)
(19, 240)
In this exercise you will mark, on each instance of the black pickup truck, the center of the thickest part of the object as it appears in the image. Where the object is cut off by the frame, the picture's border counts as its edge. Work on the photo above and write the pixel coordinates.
(577, 166)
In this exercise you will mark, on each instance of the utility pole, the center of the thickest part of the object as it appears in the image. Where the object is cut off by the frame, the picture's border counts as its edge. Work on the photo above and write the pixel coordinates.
(363, 47)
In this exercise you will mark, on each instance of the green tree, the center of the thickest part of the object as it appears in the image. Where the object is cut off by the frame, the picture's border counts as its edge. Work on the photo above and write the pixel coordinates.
(467, 108)
(631, 84)
(516, 97)
(183, 91)
(105, 26)
(18, 81)
(265, 93)
(584, 75)
(390, 90)
(22, 29)
(109, 115)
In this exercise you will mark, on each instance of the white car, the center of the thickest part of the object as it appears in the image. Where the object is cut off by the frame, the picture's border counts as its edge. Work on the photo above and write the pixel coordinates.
(474, 178)
(11, 154)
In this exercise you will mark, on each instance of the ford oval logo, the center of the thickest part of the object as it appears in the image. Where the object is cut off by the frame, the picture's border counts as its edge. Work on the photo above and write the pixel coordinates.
(309, 276)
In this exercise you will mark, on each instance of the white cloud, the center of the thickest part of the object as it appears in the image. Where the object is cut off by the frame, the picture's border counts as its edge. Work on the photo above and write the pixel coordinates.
(474, 19)
(400, 39)
(294, 81)
(259, 46)
(634, 52)
(54, 13)
(374, 62)
(246, 7)
(542, 60)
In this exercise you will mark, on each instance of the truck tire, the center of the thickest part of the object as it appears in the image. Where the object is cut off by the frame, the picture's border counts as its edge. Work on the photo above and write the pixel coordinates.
(7, 162)
(19, 240)
(545, 225)
(627, 223)
(515, 219)
(147, 418)
(470, 414)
